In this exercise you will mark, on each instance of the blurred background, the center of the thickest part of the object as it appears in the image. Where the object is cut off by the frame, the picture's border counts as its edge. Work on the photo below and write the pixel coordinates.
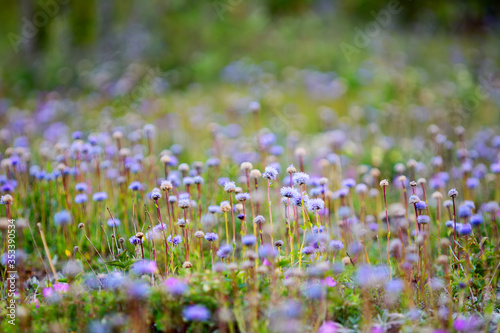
(55, 44)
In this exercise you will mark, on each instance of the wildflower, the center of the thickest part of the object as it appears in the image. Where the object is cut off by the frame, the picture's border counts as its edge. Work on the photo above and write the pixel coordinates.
(211, 236)
(349, 183)
(62, 218)
(423, 219)
(113, 222)
(259, 219)
(242, 197)
(289, 192)
(144, 267)
(214, 209)
(135, 240)
(176, 287)
(99, 196)
(246, 166)
(196, 313)
(452, 193)
(155, 195)
(384, 183)
(336, 245)
(413, 199)
(270, 173)
(300, 178)
(421, 205)
(308, 250)
(464, 212)
(81, 198)
(476, 220)
(291, 169)
(472, 183)
(135, 186)
(184, 203)
(267, 251)
(315, 204)
(166, 185)
(278, 243)
(225, 207)
(248, 240)
(230, 187)
(175, 240)
(224, 251)
(198, 180)
(188, 181)
(81, 187)
(465, 229)
(199, 234)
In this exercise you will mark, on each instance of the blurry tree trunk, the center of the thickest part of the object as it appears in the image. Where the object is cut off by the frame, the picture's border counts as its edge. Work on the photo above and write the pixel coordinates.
(82, 21)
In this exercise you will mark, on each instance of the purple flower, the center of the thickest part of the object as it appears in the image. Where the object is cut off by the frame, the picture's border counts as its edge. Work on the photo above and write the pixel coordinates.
(270, 173)
(81, 198)
(176, 240)
(300, 178)
(135, 240)
(423, 219)
(135, 186)
(176, 287)
(242, 196)
(62, 218)
(289, 192)
(315, 204)
(336, 245)
(248, 240)
(328, 327)
(99, 196)
(113, 222)
(144, 267)
(211, 236)
(349, 183)
(224, 251)
(196, 313)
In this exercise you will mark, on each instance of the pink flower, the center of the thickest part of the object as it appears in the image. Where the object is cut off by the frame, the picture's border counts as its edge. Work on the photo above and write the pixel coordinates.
(328, 281)
(61, 287)
(266, 262)
(47, 292)
(328, 327)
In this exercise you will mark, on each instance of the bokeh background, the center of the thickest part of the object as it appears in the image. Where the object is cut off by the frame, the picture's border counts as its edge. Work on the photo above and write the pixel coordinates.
(193, 41)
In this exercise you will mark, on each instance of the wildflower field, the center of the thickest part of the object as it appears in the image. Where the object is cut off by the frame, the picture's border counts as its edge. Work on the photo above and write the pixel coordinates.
(275, 192)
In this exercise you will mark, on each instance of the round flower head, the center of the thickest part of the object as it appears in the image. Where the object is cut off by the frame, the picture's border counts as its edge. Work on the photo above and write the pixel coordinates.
(184, 203)
(181, 223)
(144, 267)
(248, 240)
(300, 178)
(447, 203)
(308, 250)
(198, 180)
(113, 222)
(176, 287)
(336, 245)
(291, 169)
(188, 181)
(464, 212)
(196, 313)
(492, 207)
(259, 219)
(211, 236)
(246, 166)
(62, 218)
(472, 183)
(242, 197)
(135, 186)
(230, 187)
(384, 183)
(349, 183)
(421, 205)
(361, 188)
(289, 192)
(175, 240)
(413, 183)
(267, 251)
(476, 220)
(413, 199)
(224, 251)
(134, 240)
(81, 198)
(449, 223)
(453, 193)
(214, 209)
(155, 195)
(465, 229)
(270, 173)
(81, 187)
(225, 207)
(166, 185)
(315, 204)
(255, 174)
(278, 243)
(199, 234)
(99, 196)
(423, 219)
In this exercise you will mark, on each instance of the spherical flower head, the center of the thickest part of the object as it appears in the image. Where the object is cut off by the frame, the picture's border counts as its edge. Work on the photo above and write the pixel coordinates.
(289, 192)
(199, 234)
(421, 205)
(308, 250)
(476, 220)
(184, 203)
(361, 188)
(188, 181)
(81, 198)
(176, 287)
(255, 174)
(176, 240)
(423, 219)
(266, 251)
(81, 187)
(270, 173)
(413, 199)
(181, 223)
(344, 212)
(155, 195)
(437, 195)
(492, 207)
(464, 212)
(135, 186)
(495, 168)
(214, 209)
(224, 251)
(160, 227)
(198, 180)
(278, 243)
(447, 203)
(246, 166)
(144, 267)
(315, 204)
(336, 245)
(242, 197)
(62, 218)
(225, 206)
(449, 223)
(99, 196)
(291, 169)
(472, 183)
(349, 183)
(453, 193)
(248, 240)
(211, 236)
(343, 192)
(135, 240)
(328, 327)
(300, 178)
(259, 219)
(469, 204)
(196, 313)
(113, 222)
(465, 229)
(166, 185)
(384, 183)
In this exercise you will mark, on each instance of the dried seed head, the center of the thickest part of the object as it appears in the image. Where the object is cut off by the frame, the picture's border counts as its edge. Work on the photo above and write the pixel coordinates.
(166, 185)
(422, 181)
(255, 174)
(187, 265)
(300, 152)
(76, 249)
(411, 163)
(117, 135)
(7, 199)
(121, 240)
(402, 178)
(246, 166)
(384, 183)
(375, 172)
(81, 225)
(139, 235)
(291, 169)
(183, 167)
(323, 181)
(225, 207)
(413, 183)
(437, 195)
(346, 261)
(199, 234)
(442, 260)
(165, 159)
